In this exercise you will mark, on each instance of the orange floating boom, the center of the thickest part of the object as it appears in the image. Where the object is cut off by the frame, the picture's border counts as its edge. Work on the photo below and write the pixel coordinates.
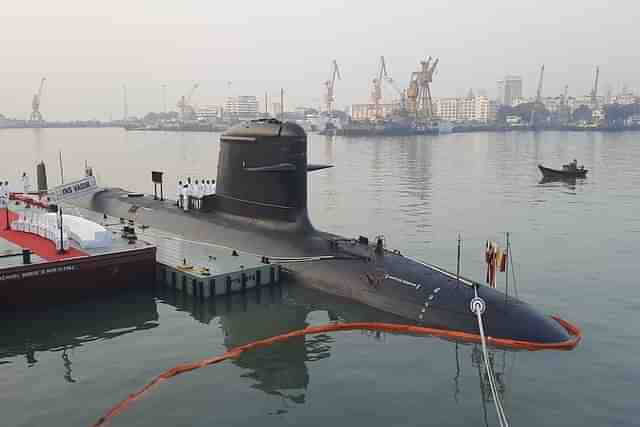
(570, 344)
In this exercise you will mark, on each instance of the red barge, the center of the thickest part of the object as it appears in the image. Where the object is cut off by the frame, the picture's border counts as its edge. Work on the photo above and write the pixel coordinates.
(34, 269)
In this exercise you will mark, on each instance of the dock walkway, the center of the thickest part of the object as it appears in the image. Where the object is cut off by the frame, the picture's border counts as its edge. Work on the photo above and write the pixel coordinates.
(201, 269)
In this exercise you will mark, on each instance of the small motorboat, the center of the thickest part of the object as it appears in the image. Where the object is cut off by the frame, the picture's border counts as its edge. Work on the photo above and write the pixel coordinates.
(570, 170)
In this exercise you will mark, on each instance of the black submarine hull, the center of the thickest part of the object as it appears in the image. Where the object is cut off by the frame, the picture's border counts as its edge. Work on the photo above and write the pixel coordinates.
(430, 296)
(260, 207)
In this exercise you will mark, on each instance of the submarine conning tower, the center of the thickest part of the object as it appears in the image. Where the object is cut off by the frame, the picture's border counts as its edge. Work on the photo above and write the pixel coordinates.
(262, 172)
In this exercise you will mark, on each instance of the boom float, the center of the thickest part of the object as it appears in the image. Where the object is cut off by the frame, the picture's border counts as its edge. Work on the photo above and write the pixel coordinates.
(261, 207)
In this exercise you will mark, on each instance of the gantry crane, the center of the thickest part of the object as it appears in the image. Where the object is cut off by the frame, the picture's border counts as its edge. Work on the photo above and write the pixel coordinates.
(376, 93)
(184, 104)
(36, 116)
(330, 84)
(420, 102)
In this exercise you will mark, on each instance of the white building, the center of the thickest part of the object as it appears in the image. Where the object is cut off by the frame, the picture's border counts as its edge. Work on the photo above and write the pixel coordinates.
(209, 113)
(625, 99)
(242, 107)
(469, 109)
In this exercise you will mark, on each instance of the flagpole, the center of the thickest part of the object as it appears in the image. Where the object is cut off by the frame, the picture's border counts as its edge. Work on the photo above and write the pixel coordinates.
(506, 271)
(458, 269)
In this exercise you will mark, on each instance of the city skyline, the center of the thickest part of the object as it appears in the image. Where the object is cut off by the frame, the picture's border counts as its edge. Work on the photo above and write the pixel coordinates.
(87, 55)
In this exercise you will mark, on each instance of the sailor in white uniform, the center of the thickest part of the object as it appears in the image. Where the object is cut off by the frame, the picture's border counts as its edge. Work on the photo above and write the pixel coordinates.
(26, 183)
(185, 197)
(201, 194)
(179, 195)
(190, 191)
(213, 186)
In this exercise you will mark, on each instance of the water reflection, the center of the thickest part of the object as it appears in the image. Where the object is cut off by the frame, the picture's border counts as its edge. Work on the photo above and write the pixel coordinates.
(282, 369)
(64, 329)
(571, 183)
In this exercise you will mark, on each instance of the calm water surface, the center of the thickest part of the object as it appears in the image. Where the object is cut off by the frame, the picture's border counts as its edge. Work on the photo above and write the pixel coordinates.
(575, 247)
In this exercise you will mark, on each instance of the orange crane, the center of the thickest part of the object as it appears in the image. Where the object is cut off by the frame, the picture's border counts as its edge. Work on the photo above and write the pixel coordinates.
(36, 116)
(425, 101)
(376, 94)
(330, 85)
(419, 100)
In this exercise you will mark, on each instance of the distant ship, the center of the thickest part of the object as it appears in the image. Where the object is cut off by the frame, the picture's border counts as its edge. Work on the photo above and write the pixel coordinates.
(392, 127)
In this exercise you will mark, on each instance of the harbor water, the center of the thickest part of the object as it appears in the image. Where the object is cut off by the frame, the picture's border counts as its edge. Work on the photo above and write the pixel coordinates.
(575, 248)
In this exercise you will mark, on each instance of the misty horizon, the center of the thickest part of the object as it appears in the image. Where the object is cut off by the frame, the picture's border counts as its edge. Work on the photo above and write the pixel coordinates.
(88, 54)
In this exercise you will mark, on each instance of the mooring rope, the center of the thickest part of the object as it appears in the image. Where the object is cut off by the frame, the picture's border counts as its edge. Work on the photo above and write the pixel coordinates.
(478, 306)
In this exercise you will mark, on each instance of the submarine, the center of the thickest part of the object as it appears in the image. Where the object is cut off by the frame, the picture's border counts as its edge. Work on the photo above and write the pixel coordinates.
(260, 207)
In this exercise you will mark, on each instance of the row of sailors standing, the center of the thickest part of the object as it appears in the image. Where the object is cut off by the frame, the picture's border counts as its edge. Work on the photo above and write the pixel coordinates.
(189, 194)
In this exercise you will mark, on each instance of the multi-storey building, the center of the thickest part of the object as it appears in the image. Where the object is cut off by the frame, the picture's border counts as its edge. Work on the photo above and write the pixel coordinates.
(209, 113)
(625, 98)
(242, 107)
(509, 89)
(471, 108)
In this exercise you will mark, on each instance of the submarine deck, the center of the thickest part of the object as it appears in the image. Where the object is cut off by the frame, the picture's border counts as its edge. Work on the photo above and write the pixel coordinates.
(386, 280)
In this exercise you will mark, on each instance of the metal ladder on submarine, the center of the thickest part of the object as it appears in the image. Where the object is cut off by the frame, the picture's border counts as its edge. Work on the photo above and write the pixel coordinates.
(260, 207)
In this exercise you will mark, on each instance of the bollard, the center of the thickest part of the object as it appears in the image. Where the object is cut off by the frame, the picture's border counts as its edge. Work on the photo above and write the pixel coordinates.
(26, 256)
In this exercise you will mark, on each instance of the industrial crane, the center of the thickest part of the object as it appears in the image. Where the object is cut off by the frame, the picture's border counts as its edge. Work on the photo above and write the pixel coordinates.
(402, 93)
(36, 116)
(376, 94)
(594, 91)
(184, 104)
(330, 86)
(538, 100)
(540, 83)
(419, 91)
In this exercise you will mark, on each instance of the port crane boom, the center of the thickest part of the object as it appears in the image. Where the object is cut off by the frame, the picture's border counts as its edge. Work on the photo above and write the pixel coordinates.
(184, 104)
(36, 116)
(330, 84)
(377, 88)
(419, 92)
(540, 82)
(538, 100)
(594, 91)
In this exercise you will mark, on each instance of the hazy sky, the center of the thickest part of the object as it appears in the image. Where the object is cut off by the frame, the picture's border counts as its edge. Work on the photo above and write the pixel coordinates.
(88, 49)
